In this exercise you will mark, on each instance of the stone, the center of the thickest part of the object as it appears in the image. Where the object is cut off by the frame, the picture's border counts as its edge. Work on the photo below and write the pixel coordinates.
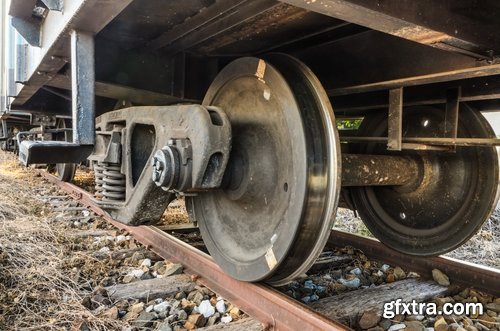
(180, 296)
(397, 327)
(385, 267)
(470, 328)
(186, 304)
(369, 319)
(353, 283)
(385, 324)
(399, 273)
(390, 278)
(440, 324)
(128, 279)
(440, 277)
(112, 313)
(356, 271)
(206, 309)
(189, 326)
(149, 308)
(414, 326)
(487, 321)
(144, 320)
(494, 306)
(136, 308)
(182, 315)
(136, 273)
(220, 306)
(212, 319)
(226, 319)
(173, 269)
(481, 327)
(136, 257)
(235, 313)
(165, 326)
(195, 296)
(161, 307)
(146, 263)
(197, 320)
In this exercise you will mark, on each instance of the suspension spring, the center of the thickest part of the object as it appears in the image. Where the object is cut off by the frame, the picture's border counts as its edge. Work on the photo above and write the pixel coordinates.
(110, 182)
(99, 180)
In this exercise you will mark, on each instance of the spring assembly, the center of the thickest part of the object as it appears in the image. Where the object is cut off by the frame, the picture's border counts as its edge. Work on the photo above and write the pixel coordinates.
(110, 182)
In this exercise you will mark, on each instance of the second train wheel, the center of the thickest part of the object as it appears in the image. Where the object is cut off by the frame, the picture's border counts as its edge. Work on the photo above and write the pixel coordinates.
(64, 171)
(453, 195)
(273, 214)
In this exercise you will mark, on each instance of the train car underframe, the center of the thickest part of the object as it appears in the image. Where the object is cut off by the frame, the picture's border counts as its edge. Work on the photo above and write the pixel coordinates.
(229, 104)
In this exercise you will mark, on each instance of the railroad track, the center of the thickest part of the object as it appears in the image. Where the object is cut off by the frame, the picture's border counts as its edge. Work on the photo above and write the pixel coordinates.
(273, 309)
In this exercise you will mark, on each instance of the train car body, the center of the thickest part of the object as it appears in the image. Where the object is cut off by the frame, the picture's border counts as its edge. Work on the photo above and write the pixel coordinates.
(251, 109)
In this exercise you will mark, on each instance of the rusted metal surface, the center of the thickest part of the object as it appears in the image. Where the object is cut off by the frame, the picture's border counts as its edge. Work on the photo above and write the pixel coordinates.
(428, 141)
(275, 310)
(460, 272)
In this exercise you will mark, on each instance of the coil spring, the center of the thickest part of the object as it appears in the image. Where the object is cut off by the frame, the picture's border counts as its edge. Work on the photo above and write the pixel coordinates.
(110, 182)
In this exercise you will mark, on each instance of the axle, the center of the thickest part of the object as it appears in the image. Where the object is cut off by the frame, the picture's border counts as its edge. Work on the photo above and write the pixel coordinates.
(378, 170)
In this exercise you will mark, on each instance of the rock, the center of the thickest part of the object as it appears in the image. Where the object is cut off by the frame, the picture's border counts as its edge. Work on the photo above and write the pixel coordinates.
(385, 267)
(136, 257)
(149, 308)
(226, 319)
(189, 326)
(173, 269)
(206, 309)
(120, 238)
(399, 273)
(182, 315)
(390, 278)
(180, 296)
(377, 328)
(494, 306)
(481, 327)
(197, 320)
(235, 313)
(136, 308)
(112, 313)
(453, 326)
(440, 277)
(487, 321)
(440, 324)
(161, 307)
(146, 263)
(220, 306)
(369, 319)
(105, 249)
(195, 296)
(165, 326)
(470, 328)
(136, 273)
(212, 319)
(397, 327)
(356, 271)
(385, 324)
(353, 283)
(415, 317)
(144, 320)
(414, 326)
(186, 304)
(412, 274)
(398, 318)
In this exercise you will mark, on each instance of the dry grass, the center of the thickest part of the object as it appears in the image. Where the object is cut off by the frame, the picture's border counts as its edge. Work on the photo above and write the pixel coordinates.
(38, 287)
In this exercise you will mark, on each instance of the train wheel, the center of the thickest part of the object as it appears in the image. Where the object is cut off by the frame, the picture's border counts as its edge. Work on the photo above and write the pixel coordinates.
(64, 171)
(273, 214)
(453, 195)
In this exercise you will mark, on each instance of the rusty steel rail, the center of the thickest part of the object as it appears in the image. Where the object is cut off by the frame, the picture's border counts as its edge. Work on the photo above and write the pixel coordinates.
(273, 309)
(460, 272)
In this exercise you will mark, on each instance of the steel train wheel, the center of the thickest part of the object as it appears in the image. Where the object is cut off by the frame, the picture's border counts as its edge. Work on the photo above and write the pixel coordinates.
(273, 215)
(454, 194)
(64, 171)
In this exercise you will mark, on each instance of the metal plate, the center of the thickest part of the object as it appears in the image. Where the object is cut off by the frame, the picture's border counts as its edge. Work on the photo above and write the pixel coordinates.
(272, 216)
(451, 198)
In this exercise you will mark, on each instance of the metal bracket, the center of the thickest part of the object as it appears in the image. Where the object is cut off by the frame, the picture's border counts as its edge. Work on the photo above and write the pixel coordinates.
(451, 113)
(29, 29)
(56, 5)
(201, 137)
(83, 111)
(395, 125)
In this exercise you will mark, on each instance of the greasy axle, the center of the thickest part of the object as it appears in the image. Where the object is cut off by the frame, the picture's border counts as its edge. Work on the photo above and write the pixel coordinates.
(378, 170)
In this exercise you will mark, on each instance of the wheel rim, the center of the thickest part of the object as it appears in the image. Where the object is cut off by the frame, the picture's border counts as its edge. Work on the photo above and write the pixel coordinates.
(454, 194)
(273, 214)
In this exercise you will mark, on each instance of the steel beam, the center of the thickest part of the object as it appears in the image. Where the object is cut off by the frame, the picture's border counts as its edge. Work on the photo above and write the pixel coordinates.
(395, 125)
(44, 63)
(120, 92)
(451, 114)
(82, 87)
(213, 21)
(447, 25)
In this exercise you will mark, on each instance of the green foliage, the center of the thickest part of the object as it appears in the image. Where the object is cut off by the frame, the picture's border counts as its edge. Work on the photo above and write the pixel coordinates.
(349, 123)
